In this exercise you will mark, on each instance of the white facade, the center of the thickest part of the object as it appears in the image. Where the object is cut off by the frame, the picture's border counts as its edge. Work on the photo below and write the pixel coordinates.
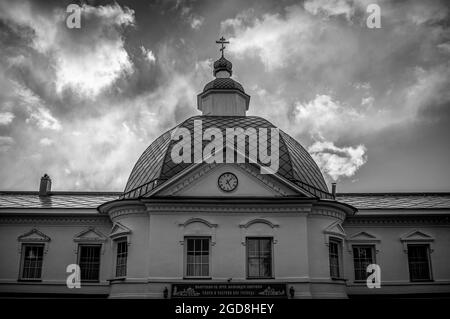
(194, 206)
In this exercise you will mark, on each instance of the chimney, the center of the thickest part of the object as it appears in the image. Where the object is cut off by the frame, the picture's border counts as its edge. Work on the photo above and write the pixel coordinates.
(46, 185)
(333, 189)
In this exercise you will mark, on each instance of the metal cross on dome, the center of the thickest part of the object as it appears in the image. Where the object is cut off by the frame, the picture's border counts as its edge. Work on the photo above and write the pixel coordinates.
(222, 41)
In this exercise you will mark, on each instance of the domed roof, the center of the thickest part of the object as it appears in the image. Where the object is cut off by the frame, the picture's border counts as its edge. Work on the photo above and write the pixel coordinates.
(223, 65)
(223, 83)
(155, 166)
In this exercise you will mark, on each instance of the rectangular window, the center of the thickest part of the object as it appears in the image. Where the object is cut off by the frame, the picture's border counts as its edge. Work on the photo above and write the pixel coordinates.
(259, 257)
(419, 262)
(362, 257)
(121, 261)
(197, 257)
(89, 262)
(32, 256)
(334, 254)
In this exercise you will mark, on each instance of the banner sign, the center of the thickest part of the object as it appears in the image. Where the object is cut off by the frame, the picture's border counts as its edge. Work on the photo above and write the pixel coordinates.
(228, 290)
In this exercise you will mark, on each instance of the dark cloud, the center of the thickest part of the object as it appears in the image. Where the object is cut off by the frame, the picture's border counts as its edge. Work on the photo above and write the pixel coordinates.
(85, 103)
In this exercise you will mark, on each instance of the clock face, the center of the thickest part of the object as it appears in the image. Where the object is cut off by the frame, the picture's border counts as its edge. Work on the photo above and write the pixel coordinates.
(227, 182)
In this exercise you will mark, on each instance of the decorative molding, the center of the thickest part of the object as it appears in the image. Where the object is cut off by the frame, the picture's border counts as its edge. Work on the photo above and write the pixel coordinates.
(262, 178)
(186, 229)
(198, 220)
(334, 230)
(203, 170)
(183, 208)
(416, 236)
(119, 230)
(86, 236)
(363, 238)
(33, 236)
(397, 220)
(55, 220)
(259, 220)
(188, 181)
(329, 213)
(115, 214)
(247, 232)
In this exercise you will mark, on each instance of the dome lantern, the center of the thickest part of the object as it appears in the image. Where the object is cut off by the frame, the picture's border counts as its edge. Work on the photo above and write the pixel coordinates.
(223, 96)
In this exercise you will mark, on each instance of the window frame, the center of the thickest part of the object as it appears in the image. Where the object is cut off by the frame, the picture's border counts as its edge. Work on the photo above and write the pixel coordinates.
(339, 243)
(185, 261)
(373, 249)
(117, 242)
(22, 262)
(100, 246)
(428, 254)
(272, 268)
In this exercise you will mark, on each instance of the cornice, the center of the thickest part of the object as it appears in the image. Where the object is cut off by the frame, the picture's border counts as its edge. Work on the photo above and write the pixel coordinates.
(54, 220)
(118, 213)
(398, 220)
(328, 213)
(186, 208)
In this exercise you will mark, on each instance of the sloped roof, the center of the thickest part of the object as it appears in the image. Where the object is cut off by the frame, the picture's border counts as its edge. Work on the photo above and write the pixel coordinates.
(91, 200)
(396, 200)
(155, 166)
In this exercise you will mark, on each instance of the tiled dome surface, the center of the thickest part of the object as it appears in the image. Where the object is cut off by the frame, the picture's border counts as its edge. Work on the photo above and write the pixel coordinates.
(155, 165)
(223, 83)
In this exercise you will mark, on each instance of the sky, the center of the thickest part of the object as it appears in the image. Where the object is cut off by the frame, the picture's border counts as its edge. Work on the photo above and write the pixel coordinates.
(371, 105)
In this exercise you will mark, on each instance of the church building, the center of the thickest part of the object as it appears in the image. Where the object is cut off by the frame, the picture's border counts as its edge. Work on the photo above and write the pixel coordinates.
(199, 218)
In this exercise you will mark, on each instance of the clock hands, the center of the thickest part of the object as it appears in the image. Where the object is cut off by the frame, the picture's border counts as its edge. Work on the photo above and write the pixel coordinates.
(228, 182)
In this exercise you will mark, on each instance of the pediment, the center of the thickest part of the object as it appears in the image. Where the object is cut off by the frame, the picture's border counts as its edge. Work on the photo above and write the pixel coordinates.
(119, 230)
(416, 235)
(335, 229)
(363, 236)
(202, 181)
(33, 235)
(90, 235)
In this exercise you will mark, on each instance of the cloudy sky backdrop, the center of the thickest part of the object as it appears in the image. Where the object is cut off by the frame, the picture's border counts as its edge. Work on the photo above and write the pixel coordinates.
(371, 105)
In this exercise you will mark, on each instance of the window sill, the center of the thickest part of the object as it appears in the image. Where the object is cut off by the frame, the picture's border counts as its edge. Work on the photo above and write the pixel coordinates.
(260, 278)
(421, 280)
(29, 280)
(197, 278)
(90, 281)
(117, 279)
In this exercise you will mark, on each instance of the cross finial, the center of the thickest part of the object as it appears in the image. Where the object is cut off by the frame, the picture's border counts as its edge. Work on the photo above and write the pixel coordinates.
(222, 41)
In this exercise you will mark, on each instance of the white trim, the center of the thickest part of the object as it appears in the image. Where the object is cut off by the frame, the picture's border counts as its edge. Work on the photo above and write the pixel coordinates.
(27, 238)
(187, 231)
(79, 239)
(363, 238)
(334, 230)
(119, 230)
(245, 232)
(416, 236)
